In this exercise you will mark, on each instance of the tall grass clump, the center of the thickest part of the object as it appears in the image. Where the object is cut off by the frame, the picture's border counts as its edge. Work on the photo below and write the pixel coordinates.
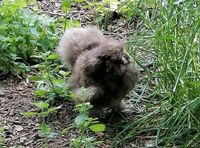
(169, 32)
(177, 50)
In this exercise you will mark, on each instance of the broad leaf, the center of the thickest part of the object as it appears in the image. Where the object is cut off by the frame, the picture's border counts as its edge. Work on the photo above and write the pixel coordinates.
(80, 119)
(41, 105)
(66, 5)
(97, 127)
(53, 56)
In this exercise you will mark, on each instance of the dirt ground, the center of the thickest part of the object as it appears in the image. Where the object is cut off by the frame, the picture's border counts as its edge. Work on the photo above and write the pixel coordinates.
(16, 97)
(21, 131)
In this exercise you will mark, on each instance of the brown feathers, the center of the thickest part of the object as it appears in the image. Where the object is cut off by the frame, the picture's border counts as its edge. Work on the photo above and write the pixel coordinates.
(77, 40)
(99, 64)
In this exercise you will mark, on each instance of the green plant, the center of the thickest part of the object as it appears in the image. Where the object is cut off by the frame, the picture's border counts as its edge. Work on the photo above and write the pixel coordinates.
(51, 85)
(102, 12)
(50, 89)
(1, 137)
(47, 133)
(51, 81)
(43, 110)
(169, 34)
(177, 50)
(23, 34)
(83, 122)
(66, 7)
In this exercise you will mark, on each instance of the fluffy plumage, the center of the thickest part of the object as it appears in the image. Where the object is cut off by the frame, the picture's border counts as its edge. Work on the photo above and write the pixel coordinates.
(99, 64)
(77, 40)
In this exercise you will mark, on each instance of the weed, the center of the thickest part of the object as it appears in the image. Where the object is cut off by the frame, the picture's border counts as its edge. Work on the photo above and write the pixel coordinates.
(50, 86)
(43, 110)
(51, 82)
(23, 34)
(83, 122)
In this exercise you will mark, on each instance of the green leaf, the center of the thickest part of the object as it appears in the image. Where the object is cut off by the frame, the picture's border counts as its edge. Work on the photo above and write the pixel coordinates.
(58, 90)
(74, 96)
(79, 1)
(98, 127)
(41, 105)
(43, 114)
(80, 119)
(59, 81)
(40, 93)
(44, 43)
(3, 38)
(20, 3)
(76, 23)
(53, 56)
(30, 113)
(45, 128)
(67, 24)
(36, 78)
(1, 129)
(34, 31)
(66, 5)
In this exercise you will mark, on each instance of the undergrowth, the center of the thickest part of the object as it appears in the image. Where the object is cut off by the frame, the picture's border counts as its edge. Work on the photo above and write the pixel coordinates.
(169, 33)
(51, 87)
(23, 34)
